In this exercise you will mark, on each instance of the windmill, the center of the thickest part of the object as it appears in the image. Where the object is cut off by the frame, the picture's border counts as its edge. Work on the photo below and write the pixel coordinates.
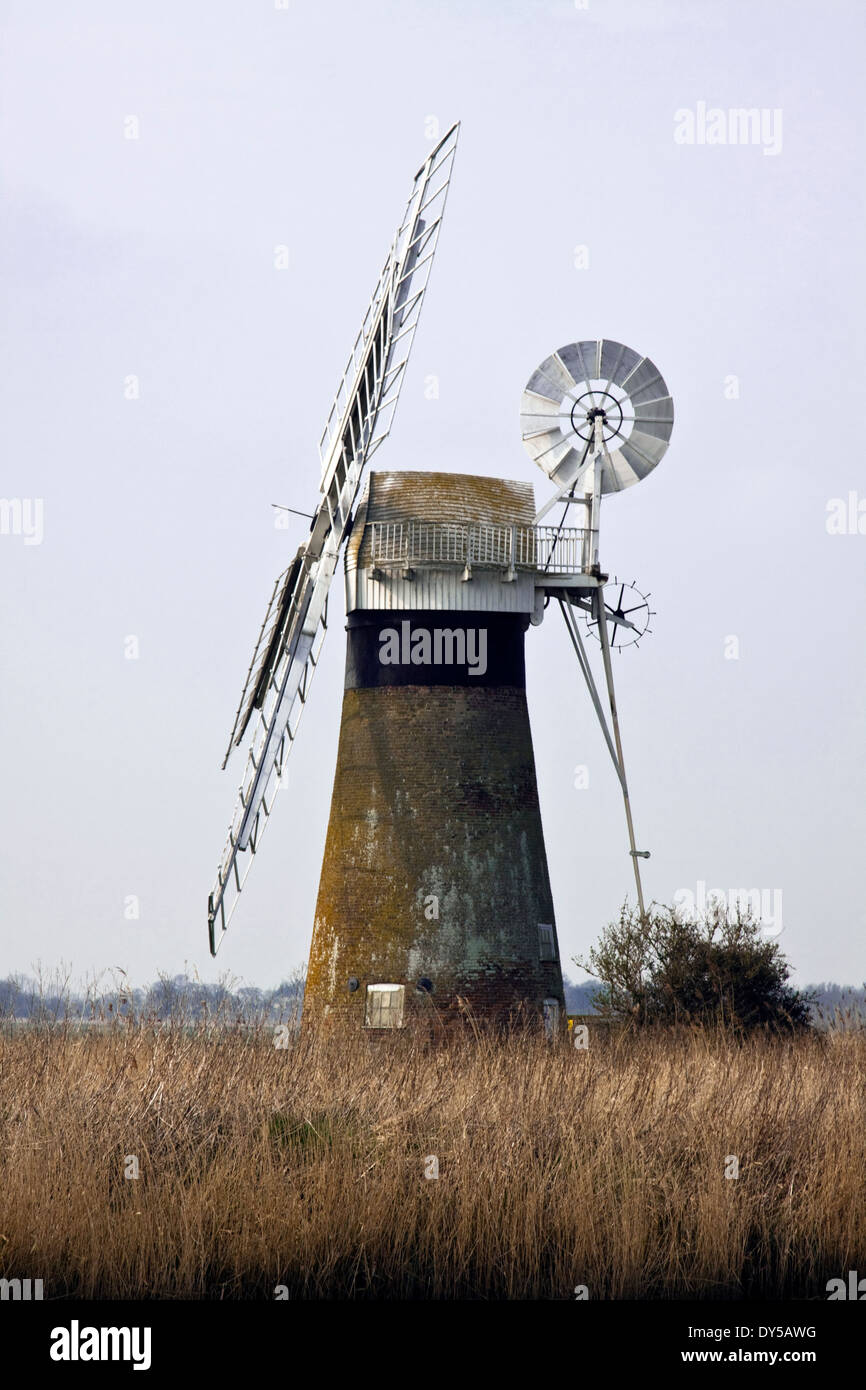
(434, 899)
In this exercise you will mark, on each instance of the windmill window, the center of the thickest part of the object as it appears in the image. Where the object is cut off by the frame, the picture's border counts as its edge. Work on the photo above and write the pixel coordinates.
(384, 1006)
(546, 942)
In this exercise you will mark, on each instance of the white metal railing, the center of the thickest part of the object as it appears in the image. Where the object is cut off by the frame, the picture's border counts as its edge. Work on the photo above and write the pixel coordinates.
(548, 549)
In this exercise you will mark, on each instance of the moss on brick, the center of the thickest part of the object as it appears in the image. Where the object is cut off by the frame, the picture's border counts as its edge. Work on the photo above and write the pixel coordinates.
(435, 797)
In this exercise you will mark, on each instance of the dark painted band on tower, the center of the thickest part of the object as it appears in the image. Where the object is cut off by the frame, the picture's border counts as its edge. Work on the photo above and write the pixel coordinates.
(424, 647)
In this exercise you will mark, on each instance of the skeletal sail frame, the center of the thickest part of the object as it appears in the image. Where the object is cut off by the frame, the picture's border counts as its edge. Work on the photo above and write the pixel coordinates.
(295, 622)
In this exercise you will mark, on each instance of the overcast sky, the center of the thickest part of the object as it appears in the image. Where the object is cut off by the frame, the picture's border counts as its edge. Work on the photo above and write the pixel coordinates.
(737, 267)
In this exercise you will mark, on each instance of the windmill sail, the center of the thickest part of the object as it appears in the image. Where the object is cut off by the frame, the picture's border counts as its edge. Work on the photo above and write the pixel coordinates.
(268, 650)
(291, 636)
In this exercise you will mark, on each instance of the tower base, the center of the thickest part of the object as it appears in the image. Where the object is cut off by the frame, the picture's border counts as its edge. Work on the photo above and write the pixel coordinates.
(434, 881)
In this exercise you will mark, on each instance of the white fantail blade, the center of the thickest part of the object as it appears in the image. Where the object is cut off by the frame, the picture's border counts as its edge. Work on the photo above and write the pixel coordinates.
(291, 635)
(585, 380)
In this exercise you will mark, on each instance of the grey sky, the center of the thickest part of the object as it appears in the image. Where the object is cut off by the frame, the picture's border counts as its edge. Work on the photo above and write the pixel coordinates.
(155, 257)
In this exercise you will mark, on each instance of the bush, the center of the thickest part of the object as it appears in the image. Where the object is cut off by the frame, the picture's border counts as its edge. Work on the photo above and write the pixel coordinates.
(715, 969)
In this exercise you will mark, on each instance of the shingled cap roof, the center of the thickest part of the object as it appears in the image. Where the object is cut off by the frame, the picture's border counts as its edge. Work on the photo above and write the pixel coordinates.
(458, 498)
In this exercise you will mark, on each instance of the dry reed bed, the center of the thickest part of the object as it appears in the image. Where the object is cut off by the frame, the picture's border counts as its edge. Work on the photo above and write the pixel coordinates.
(305, 1166)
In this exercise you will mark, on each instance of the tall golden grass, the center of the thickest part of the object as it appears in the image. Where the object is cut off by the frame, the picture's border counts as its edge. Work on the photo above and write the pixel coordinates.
(304, 1167)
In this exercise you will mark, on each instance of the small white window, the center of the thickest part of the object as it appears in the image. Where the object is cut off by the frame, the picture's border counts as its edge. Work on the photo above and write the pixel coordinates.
(551, 1018)
(546, 943)
(384, 1006)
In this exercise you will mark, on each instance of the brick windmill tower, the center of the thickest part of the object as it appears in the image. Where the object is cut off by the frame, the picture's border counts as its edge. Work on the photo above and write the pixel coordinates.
(435, 895)
(434, 900)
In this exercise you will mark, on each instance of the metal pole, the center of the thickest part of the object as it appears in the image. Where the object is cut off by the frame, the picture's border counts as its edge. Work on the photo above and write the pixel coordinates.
(601, 616)
(595, 505)
(586, 671)
(586, 544)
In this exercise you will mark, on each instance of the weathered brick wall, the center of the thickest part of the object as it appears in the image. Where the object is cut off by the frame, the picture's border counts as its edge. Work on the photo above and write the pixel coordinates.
(434, 863)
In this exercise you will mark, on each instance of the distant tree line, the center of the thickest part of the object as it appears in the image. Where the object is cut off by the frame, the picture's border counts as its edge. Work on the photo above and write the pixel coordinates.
(169, 997)
(181, 997)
